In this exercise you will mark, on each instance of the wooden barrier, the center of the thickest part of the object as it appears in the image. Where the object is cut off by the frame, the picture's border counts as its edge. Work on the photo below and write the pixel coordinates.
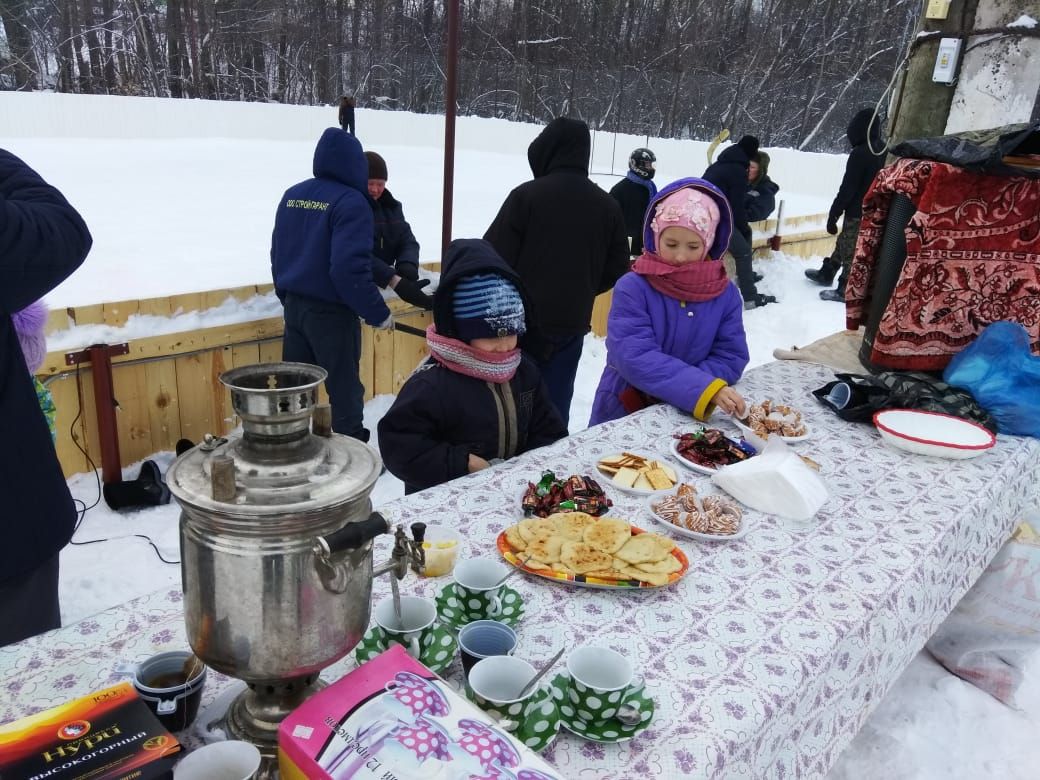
(167, 387)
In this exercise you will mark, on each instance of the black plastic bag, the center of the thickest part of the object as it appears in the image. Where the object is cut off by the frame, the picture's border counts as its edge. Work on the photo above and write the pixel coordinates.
(856, 397)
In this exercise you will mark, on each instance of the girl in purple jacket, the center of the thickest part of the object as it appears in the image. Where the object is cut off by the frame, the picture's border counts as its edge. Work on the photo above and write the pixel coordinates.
(675, 333)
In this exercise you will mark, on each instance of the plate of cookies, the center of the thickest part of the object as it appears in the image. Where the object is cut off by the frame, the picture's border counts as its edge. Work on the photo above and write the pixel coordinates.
(592, 552)
(637, 473)
(772, 419)
(709, 517)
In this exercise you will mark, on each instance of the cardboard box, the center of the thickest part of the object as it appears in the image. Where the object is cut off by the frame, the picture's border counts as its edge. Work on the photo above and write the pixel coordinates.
(107, 735)
(394, 719)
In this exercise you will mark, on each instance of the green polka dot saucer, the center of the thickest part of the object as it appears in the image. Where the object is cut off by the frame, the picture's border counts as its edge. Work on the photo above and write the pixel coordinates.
(605, 729)
(437, 647)
(538, 716)
(454, 612)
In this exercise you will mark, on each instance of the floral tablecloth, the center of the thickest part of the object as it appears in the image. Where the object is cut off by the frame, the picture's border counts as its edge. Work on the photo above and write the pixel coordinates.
(763, 661)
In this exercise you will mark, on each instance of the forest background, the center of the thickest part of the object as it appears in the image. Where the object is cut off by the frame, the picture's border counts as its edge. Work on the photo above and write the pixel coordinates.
(788, 71)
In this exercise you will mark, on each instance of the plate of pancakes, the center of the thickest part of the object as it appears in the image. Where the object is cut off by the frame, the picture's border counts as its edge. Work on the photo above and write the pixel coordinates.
(592, 552)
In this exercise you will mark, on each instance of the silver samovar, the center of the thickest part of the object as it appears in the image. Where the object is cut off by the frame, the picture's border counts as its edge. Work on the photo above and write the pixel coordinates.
(276, 545)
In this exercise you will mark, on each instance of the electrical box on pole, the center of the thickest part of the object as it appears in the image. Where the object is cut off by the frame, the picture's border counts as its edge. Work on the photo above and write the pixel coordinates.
(937, 9)
(945, 71)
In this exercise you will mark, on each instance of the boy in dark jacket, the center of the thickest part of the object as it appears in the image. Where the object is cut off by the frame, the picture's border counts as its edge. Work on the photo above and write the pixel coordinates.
(393, 240)
(730, 174)
(42, 241)
(477, 398)
(633, 194)
(860, 170)
(565, 238)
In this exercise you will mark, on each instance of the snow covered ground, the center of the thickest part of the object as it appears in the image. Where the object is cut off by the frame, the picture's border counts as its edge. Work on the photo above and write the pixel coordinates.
(180, 213)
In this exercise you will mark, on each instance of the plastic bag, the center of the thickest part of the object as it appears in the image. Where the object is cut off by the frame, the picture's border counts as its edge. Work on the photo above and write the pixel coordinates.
(1003, 376)
(994, 632)
(775, 482)
(855, 398)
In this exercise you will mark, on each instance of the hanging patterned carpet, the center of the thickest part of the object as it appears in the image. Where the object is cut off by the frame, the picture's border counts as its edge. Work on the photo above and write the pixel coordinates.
(973, 258)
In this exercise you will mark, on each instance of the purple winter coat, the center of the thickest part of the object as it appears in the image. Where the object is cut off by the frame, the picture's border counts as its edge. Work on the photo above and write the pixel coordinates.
(678, 352)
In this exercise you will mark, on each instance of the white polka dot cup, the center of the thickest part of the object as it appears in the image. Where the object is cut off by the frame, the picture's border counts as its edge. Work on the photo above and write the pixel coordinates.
(417, 618)
(495, 683)
(484, 639)
(477, 585)
(601, 679)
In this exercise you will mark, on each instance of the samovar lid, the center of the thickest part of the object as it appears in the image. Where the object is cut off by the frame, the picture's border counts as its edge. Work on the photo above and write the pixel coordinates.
(280, 467)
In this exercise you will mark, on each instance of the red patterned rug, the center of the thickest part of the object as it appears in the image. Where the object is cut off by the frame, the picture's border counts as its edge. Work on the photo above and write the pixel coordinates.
(973, 258)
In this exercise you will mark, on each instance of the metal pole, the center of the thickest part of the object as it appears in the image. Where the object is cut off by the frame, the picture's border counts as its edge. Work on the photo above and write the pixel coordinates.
(452, 57)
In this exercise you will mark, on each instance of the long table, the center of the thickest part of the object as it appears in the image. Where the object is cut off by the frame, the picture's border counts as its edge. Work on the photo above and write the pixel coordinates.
(764, 660)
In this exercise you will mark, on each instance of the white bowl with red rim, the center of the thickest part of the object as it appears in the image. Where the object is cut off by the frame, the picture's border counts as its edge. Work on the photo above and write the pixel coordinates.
(932, 433)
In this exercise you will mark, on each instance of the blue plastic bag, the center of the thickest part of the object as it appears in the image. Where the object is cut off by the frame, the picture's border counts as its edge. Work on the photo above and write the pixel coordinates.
(1003, 376)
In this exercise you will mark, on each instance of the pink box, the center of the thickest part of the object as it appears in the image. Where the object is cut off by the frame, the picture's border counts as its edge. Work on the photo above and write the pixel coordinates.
(394, 719)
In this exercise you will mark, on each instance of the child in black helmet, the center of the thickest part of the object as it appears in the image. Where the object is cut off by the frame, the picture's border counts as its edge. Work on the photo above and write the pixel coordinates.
(633, 194)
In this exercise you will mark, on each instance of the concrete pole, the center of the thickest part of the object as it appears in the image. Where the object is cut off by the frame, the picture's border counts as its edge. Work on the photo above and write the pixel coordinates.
(920, 106)
(999, 76)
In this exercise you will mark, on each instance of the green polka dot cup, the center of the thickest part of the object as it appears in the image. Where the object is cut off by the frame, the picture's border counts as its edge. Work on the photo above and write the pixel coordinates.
(417, 618)
(477, 585)
(601, 679)
(494, 684)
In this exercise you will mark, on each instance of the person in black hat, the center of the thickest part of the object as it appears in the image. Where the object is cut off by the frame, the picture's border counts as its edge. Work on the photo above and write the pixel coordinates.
(730, 174)
(477, 399)
(393, 241)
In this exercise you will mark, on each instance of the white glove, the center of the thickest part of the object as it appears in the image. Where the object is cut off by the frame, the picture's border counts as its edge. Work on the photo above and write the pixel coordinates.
(387, 324)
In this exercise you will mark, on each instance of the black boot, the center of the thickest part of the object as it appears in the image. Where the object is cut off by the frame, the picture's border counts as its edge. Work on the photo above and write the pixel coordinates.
(183, 445)
(147, 490)
(838, 293)
(825, 274)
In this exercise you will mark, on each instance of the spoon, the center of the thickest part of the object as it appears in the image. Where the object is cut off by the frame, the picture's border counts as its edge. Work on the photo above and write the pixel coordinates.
(511, 572)
(541, 673)
(395, 593)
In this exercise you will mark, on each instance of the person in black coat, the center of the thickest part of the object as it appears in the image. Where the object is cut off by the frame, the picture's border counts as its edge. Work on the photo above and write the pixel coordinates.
(761, 193)
(565, 238)
(633, 194)
(730, 174)
(393, 240)
(346, 113)
(42, 240)
(860, 170)
(477, 399)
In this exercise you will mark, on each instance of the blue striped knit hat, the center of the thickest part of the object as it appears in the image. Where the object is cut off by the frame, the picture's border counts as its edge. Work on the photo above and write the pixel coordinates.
(487, 306)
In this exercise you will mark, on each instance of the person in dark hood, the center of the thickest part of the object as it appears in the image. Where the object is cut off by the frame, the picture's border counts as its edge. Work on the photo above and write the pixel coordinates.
(393, 241)
(477, 398)
(321, 261)
(730, 174)
(761, 193)
(633, 194)
(42, 241)
(860, 170)
(565, 238)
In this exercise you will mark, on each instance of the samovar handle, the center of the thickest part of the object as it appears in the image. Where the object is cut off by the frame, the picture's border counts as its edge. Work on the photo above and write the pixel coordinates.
(352, 535)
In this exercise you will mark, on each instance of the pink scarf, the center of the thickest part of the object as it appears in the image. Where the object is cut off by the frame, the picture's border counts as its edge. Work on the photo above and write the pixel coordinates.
(701, 281)
(460, 357)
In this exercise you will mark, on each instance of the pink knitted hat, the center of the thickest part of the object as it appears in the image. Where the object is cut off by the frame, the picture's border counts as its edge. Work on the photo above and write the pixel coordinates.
(688, 208)
(29, 324)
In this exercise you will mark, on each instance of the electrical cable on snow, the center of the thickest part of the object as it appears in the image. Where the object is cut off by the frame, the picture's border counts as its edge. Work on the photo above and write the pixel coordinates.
(82, 508)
